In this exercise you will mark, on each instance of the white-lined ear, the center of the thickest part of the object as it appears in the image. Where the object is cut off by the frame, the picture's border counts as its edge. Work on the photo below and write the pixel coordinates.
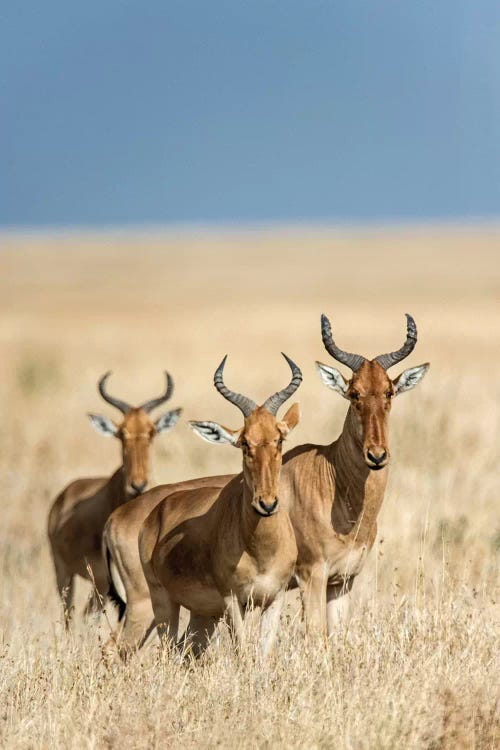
(215, 433)
(409, 378)
(332, 378)
(104, 425)
(168, 420)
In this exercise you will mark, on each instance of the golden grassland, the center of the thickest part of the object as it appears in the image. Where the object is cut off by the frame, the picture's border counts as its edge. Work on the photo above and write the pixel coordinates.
(417, 665)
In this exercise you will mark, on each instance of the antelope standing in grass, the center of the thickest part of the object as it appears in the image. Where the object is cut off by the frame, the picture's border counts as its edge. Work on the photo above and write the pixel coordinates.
(78, 515)
(127, 585)
(218, 551)
(335, 491)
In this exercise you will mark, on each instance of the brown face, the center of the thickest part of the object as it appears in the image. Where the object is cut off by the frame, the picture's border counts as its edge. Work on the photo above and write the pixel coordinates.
(370, 389)
(370, 392)
(136, 433)
(261, 441)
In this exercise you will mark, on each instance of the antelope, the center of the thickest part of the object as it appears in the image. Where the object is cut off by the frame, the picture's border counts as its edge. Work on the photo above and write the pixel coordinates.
(334, 492)
(217, 551)
(78, 514)
(127, 585)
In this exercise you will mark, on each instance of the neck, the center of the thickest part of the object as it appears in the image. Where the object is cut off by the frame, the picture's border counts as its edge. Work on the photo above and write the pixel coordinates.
(359, 491)
(117, 481)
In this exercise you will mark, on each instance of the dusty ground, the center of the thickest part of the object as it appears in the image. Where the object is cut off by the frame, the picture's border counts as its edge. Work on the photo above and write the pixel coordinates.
(417, 666)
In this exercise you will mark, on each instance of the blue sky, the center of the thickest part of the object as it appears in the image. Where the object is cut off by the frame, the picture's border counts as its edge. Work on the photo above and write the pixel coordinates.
(120, 112)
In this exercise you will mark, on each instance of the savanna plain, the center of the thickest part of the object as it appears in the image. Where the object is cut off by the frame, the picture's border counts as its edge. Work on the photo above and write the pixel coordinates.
(417, 664)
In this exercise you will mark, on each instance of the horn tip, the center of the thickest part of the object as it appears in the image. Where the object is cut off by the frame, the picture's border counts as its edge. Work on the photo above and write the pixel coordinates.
(411, 325)
(221, 366)
(293, 366)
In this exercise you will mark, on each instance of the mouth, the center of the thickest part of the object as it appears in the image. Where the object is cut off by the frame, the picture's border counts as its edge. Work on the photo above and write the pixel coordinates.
(373, 467)
(133, 492)
(263, 515)
(266, 513)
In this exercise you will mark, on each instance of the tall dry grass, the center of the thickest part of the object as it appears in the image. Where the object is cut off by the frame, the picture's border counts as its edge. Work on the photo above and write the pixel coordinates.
(417, 665)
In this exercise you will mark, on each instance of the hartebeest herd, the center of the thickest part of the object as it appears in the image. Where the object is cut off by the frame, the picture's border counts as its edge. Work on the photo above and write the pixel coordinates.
(221, 545)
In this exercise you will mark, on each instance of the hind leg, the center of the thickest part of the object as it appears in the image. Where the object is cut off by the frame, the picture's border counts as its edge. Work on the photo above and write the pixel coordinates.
(65, 587)
(93, 605)
(97, 575)
(139, 622)
(198, 634)
(166, 613)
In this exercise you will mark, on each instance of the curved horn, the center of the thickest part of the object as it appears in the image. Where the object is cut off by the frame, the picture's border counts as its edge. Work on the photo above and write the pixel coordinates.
(121, 405)
(154, 402)
(354, 361)
(246, 405)
(273, 403)
(387, 360)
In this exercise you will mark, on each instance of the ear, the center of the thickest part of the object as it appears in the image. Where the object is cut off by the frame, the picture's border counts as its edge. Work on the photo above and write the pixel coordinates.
(215, 433)
(104, 425)
(168, 420)
(332, 378)
(290, 420)
(409, 378)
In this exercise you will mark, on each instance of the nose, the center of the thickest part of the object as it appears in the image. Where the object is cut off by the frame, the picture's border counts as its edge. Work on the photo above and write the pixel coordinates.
(376, 456)
(268, 508)
(138, 486)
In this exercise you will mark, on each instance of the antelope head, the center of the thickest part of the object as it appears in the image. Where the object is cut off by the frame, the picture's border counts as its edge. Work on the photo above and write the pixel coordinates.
(260, 439)
(370, 390)
(136, 432)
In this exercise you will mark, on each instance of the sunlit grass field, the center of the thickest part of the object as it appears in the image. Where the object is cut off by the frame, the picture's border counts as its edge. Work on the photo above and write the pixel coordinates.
(418, 664)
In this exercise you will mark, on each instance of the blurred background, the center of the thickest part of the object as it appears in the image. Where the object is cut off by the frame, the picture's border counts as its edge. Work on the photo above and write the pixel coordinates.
(181, 180)
(126, 113)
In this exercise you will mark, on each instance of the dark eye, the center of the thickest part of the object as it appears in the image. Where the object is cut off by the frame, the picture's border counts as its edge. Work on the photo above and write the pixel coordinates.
(355, 396)
(389, 394)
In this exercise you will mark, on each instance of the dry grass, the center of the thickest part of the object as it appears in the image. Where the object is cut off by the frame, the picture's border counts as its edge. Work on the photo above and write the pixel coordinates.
(417, 666)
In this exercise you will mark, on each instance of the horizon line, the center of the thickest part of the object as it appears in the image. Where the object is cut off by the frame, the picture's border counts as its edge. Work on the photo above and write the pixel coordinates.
(236, 227)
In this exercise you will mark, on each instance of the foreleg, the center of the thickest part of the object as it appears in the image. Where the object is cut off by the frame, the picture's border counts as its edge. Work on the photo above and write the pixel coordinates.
(312, 584)
(235, 615)
(337, 606)
(269, 624)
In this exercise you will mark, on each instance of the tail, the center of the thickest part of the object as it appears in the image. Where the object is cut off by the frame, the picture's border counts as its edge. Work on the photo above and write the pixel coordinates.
(112, 592)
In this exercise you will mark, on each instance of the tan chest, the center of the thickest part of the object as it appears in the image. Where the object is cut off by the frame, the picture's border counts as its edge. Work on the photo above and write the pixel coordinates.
(261, 590)
(346, 561)
(259, 585)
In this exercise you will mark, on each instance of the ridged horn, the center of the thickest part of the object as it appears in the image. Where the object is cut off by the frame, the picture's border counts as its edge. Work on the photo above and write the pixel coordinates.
(245, 404)
(116, 402)
(392, 358)
(354, 361)
(274, 402)
(154, 402)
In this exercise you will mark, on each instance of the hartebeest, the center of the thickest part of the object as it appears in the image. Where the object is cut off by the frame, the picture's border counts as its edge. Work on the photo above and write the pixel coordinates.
(78, 515)
(335, 492)
(218, 551)
(127, 584)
